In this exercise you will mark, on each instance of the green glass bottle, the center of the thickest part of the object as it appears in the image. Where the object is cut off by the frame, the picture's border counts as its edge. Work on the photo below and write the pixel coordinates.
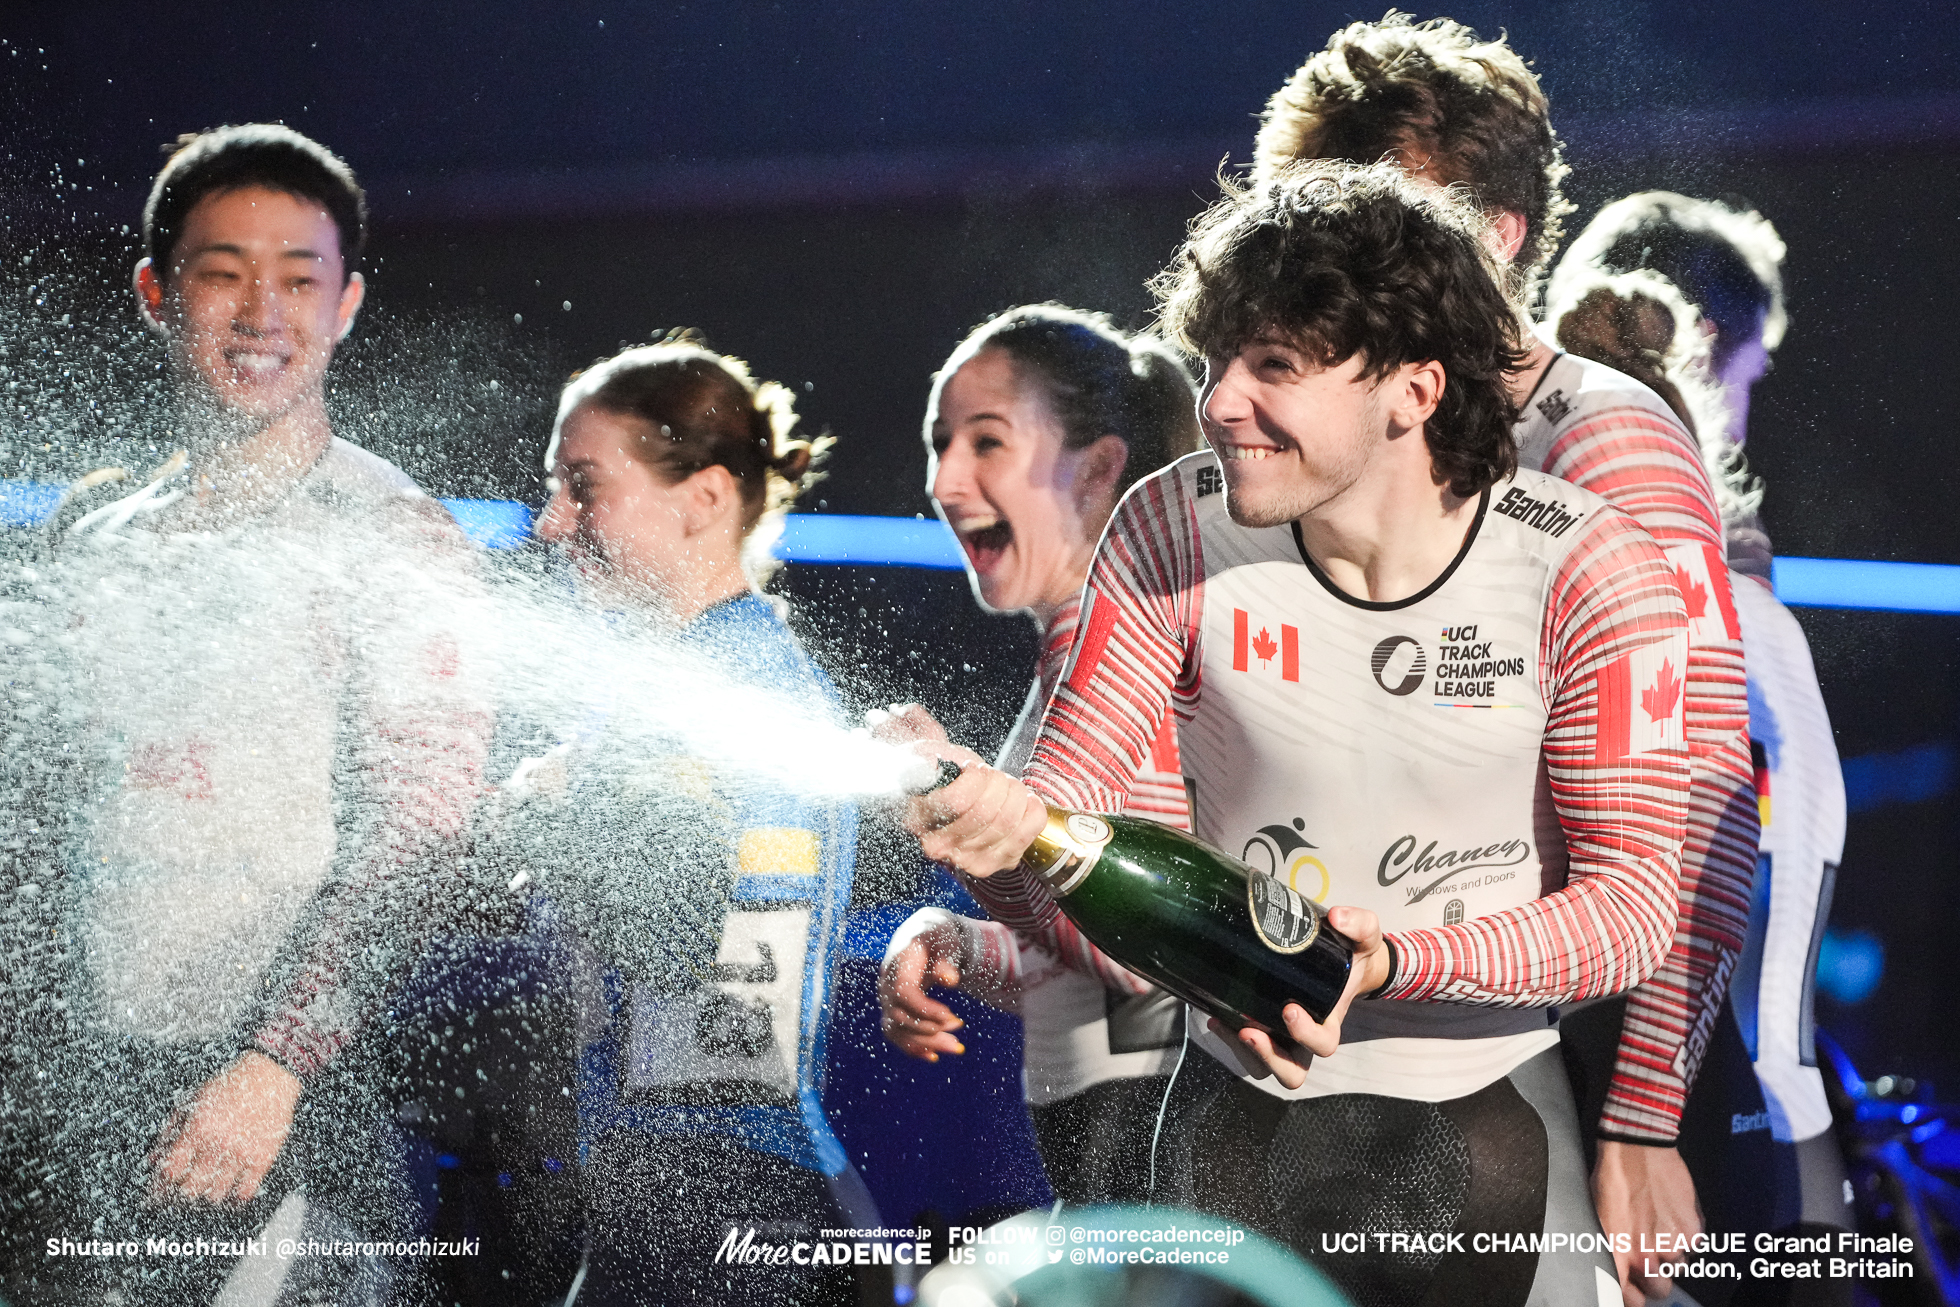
(1230, 939)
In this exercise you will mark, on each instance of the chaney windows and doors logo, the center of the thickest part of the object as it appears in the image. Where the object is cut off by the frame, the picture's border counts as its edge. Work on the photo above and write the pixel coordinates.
(1283, 853)
(1399, 664)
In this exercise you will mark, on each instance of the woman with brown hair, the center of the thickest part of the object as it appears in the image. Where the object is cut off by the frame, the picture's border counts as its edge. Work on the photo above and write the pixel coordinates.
(719, 901)
(1038, 423)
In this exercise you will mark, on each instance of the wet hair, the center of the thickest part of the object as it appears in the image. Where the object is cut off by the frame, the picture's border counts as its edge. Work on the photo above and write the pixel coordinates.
(1098, 380)
(701, 409)
(1728, 263)
(252, 154)
(1437, 100)
(1345, 260)
(1641, 324)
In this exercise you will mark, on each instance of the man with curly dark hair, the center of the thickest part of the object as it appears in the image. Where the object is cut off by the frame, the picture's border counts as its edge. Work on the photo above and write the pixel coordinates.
(1453, 684)
(1452, 109)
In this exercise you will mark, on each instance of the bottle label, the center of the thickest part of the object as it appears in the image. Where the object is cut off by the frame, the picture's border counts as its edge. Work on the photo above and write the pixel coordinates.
(1285, 920)
(1065, 851)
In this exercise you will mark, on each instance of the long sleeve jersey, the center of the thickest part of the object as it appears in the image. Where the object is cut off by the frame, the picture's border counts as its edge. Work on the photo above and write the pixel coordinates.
(1495, 765)
(698, 905)
(1601, 430)
(287, 737)
(1156, 792)
(1800, 789)
(1085, 1019)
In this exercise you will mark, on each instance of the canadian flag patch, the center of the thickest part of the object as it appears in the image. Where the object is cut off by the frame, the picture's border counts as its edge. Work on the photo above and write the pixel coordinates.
(1703, 577)
(1268, 648)
(1642, 698)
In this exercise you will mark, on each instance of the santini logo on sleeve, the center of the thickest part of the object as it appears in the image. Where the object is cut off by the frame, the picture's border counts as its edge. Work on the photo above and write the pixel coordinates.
(1548, 515)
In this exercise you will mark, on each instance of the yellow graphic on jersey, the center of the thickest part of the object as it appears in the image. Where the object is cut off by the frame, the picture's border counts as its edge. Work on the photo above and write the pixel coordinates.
(1307, 865)
(777, 851)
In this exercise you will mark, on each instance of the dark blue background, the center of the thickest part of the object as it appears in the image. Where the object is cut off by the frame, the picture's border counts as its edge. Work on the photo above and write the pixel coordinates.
(838, 192)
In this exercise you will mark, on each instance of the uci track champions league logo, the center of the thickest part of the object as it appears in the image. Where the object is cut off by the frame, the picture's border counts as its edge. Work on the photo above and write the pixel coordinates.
(1399, 664)
(1467, 673)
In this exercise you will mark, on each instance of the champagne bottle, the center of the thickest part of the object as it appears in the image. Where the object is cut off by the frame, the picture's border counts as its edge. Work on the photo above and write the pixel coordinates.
(1219, 934)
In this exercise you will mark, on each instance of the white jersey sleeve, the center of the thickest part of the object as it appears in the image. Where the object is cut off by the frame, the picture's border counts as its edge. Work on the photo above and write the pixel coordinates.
(1800, 791)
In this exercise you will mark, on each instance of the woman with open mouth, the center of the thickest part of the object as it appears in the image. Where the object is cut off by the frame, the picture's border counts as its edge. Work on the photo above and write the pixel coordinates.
(1037, 424)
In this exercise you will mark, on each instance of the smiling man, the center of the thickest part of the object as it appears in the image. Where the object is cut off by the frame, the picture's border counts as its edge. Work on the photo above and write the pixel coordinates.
(277, 739)
(1458, 681)
(1452, 109)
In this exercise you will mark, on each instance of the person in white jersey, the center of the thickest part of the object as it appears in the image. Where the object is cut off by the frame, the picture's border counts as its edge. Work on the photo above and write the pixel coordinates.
(1461, 681)
(1687, 294)
(1455, 110)
(276, 739)
(1038, 423)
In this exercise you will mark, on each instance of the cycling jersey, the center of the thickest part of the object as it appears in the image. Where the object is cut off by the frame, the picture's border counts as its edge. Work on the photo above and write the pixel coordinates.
(716, 989)
(273, 734)
(1496, 765)
(286, 730)
(1607, 433)
(1800, 790)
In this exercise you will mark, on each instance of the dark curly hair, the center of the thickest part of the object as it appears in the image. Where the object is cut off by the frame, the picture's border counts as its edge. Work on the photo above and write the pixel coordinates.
(1343, 260)
(1436, 99)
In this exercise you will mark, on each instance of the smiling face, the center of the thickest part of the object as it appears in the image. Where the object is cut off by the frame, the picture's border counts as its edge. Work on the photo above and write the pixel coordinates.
(1026, 509)
(1292, 435)
(254, 301)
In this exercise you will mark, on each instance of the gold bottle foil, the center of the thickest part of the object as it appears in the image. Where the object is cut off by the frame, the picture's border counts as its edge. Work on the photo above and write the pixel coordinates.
(1066, 850)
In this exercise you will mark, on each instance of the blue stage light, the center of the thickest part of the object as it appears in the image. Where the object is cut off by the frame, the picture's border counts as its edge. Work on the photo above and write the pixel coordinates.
(27, 503)
(492, 523)
(869, 541)
(1850, 965)
(1852, 583)
(838, 539)
(843, 539)
(1917, 775)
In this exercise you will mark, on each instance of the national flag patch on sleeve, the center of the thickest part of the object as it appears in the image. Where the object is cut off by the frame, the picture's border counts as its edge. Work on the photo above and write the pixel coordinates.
(1265, 648)
(1703, 577)
(1642, 697)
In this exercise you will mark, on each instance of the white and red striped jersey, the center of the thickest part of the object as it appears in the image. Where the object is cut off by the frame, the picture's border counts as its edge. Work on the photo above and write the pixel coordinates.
(1064, 988)
(1495, 765)
(1800, 793)
(1607, 433)
(1157, 792)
